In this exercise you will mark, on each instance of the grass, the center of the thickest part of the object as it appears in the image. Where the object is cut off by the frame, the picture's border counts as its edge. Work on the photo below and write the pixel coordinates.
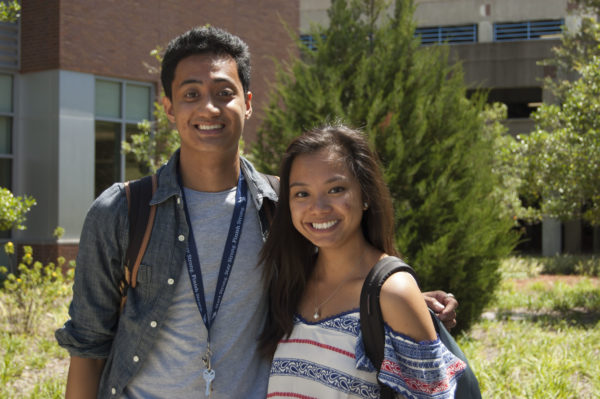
(538, 339)
(540, 336)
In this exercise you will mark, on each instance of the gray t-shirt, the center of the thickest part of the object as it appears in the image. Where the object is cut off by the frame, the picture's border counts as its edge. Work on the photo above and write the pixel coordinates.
(174, 368)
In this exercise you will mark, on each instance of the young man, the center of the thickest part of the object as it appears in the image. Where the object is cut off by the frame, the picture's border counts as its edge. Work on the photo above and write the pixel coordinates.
(176, 338)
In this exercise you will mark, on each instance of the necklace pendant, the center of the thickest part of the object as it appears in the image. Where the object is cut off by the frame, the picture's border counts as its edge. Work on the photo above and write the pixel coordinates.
(316, 314)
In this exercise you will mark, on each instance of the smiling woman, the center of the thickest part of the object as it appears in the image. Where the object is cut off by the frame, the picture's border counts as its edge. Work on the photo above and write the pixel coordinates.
(332, 225)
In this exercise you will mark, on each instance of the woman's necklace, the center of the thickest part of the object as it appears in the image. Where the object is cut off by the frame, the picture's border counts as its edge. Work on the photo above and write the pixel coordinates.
(318, 305)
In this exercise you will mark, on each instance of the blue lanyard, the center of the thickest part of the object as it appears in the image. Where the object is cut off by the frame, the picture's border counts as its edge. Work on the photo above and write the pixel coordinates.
(229, 252)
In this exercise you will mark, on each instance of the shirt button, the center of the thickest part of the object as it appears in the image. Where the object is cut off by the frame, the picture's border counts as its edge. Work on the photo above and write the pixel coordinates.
(181, 237)
(178, 200)
(153, 324)
(113, 391)
(170, 281)
(136, 359)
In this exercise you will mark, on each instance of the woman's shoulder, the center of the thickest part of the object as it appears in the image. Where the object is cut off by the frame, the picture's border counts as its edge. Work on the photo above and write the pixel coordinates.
(404, 309)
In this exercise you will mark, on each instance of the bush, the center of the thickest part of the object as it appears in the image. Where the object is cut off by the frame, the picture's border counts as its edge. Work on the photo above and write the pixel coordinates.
(33, 288)
(13, 209)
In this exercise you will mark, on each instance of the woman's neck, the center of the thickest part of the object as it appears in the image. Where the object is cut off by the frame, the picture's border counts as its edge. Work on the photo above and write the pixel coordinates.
(336, 263)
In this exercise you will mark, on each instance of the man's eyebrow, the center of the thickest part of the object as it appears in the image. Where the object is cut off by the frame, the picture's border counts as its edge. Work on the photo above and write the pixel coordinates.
(199, 81)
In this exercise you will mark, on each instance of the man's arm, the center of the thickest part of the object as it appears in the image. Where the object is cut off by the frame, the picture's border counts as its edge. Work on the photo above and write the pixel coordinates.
(443, 305)
(84, 377)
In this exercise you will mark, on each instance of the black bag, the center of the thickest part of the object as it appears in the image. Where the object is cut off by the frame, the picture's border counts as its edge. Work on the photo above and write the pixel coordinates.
(371, 325)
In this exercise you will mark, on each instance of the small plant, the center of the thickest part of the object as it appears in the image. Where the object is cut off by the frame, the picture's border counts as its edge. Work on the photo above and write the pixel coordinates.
(13, 209)
(34, 287)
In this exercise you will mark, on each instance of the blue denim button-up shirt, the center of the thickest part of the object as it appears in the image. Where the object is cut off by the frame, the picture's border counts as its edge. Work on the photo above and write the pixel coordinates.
(95, 329)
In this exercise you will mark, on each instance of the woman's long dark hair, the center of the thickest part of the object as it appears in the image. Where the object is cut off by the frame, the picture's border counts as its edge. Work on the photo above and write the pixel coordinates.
(289, 258)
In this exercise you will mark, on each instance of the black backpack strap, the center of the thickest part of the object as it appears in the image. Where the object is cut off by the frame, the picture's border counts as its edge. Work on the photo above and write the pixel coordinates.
(371, 319)
(141, 220)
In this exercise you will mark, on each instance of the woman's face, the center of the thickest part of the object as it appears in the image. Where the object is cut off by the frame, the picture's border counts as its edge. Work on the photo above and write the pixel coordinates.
(325, 200)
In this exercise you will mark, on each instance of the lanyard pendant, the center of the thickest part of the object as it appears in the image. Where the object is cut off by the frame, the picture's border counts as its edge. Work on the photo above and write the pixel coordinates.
(209, 373)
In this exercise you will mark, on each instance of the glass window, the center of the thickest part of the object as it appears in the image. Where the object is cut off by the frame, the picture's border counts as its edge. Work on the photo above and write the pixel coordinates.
(5, 173)
(137, 102)
(108, 99)
(5, 135)
(6, 93)
(107, 154)
(120, 105)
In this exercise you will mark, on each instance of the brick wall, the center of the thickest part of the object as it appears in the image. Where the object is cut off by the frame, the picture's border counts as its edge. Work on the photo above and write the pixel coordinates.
(39, 35)
(114, 37)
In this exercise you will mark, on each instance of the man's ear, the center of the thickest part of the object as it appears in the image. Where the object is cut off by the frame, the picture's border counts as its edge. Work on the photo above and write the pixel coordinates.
(248, 104)
(168, 106)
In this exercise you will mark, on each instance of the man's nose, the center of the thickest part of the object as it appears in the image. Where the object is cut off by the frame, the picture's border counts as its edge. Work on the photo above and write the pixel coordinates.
(208, 107)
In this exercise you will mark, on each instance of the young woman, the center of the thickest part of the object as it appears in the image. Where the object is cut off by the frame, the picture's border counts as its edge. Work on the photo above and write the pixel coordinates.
(333, 224)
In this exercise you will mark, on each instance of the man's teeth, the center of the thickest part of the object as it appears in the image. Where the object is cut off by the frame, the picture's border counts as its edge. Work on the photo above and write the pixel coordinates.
(209, 127)
(323, 226)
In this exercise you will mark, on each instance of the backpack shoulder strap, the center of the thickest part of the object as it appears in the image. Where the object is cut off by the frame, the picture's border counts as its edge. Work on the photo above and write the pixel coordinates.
(141, 220)
(371, 318)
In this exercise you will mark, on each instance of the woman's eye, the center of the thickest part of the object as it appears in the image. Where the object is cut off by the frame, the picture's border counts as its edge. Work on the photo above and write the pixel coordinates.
(226, 93)
(300, 194)
(336, 190)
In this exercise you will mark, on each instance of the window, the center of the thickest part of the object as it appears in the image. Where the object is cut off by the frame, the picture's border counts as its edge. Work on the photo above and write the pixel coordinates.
(447, 34)
(6, 127)
(528, 30)
(6, 135)
(119, 106)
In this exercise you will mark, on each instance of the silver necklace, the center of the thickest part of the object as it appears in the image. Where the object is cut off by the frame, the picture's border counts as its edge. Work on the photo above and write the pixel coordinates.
(318, 305)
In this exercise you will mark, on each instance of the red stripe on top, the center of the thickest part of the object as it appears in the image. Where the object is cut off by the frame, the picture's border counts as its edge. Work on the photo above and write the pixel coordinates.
(318, 344)
(288, 395)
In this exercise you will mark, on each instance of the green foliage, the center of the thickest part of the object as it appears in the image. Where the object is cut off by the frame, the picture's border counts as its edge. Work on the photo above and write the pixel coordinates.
(13, 209)
(435, 147)
(10, 11)
(561, 158)
(31, 290)
(508, 174)
(155, 143)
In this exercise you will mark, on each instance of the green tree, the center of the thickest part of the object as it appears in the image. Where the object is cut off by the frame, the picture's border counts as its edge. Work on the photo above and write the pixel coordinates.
(561, 158)
(369, 70)
(13, 210)
(10, 11)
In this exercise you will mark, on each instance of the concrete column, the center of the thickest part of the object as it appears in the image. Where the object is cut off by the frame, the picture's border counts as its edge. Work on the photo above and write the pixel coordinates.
(486, 32)
(551, 236)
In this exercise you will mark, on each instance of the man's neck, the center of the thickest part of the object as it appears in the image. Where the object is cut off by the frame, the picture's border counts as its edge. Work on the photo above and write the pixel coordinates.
(207, 172)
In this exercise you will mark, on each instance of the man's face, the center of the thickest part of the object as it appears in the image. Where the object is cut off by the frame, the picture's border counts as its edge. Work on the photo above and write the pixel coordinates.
(208, 104)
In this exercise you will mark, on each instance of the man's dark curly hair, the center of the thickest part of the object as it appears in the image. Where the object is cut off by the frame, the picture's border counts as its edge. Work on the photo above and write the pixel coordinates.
(202, 40)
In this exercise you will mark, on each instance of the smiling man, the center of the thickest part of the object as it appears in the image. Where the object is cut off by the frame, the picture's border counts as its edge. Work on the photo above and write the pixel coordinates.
(190, 326)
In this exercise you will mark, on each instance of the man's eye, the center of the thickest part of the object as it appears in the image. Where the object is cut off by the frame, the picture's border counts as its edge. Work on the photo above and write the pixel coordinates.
(191, 94)
(226, 93)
